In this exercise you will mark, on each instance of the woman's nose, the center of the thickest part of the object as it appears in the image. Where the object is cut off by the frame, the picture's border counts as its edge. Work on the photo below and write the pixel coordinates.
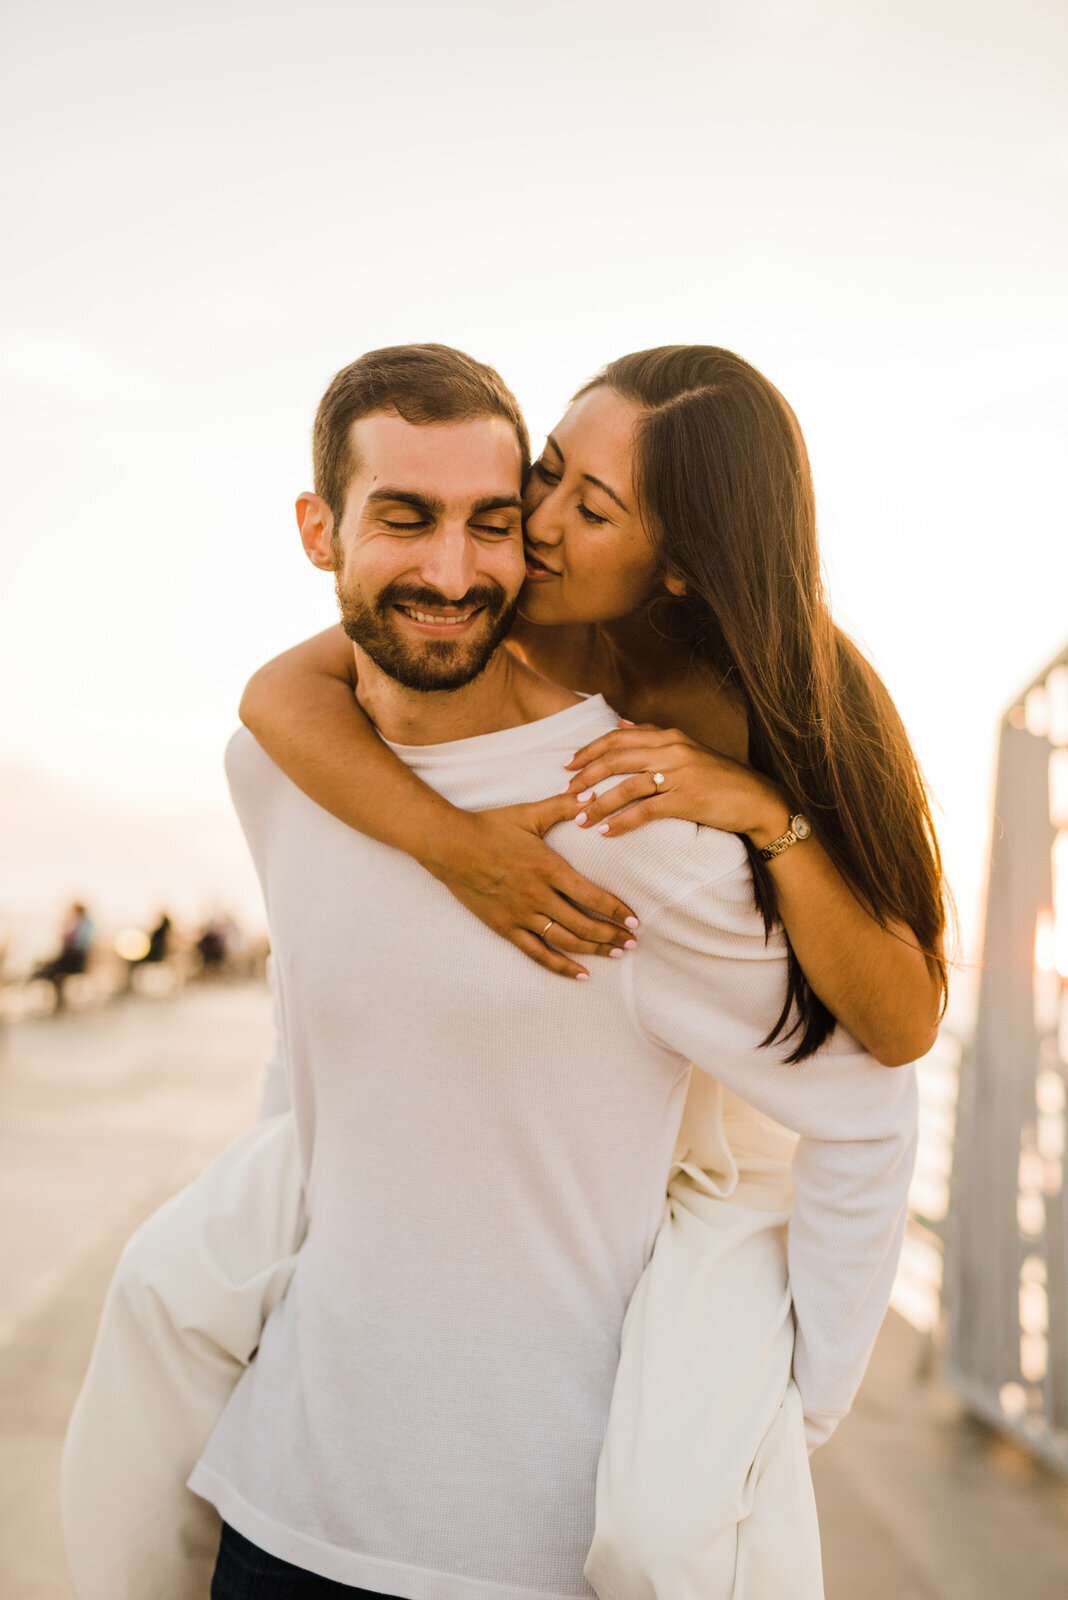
(541, 523)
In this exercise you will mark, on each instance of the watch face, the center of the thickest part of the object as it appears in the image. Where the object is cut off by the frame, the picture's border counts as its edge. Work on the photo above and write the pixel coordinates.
(801, 826)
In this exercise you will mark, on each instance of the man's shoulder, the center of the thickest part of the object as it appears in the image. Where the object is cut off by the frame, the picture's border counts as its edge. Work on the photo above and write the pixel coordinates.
(254, 780)
(674, 858)
(663, 864)
(246, 761)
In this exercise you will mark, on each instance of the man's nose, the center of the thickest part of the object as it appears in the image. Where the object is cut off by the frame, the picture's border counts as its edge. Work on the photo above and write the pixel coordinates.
(449, 561)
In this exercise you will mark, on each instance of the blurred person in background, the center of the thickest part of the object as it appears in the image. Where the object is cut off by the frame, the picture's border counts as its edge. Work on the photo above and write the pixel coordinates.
(211, 947)
(75, 947)
(159, 941)
(159, 944)
(145, 952)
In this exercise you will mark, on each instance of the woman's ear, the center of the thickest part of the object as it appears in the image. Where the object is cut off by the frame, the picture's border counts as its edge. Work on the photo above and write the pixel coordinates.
(675, 586)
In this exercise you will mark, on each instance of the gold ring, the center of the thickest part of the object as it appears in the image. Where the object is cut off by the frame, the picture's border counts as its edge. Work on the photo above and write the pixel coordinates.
(546, 928)
(657, 777)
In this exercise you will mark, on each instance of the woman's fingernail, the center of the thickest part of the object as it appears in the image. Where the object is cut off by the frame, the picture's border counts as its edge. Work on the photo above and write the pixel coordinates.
(616, 953)
(603, 828)
(631, 922)
(581, 819)
(582, 977)
(631, 944)
(587, 794)
(625, 722)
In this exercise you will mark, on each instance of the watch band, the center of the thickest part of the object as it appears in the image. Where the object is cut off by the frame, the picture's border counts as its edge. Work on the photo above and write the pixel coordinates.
(800, 828)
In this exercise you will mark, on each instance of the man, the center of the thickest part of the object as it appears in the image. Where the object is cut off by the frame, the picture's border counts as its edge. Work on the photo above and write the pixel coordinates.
(484, 1151)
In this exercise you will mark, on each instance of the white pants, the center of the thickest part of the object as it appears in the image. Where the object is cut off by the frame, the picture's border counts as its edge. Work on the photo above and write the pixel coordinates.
(703, 1487)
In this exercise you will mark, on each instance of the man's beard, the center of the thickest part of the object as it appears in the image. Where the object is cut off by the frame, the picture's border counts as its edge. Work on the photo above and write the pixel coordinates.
(427, 664)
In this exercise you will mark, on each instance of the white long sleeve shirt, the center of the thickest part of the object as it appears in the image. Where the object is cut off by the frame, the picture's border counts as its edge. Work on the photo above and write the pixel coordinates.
(486, 1150)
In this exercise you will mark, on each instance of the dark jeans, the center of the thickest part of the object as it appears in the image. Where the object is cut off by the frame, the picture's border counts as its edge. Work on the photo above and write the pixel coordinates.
(244, 1572)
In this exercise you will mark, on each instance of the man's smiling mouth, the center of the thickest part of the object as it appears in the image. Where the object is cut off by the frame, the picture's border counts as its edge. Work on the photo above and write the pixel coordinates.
(436, 620)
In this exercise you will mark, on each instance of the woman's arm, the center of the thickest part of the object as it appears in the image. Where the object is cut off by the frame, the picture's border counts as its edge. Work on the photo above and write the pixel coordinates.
(876, 981)
(302, 710)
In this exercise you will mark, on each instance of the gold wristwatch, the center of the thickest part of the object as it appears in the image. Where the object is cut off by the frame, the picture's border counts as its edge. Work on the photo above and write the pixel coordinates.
(799, 829)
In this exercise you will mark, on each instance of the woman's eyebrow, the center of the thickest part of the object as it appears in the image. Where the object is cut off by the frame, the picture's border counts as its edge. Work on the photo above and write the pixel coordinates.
(589, 478)
(611, 493)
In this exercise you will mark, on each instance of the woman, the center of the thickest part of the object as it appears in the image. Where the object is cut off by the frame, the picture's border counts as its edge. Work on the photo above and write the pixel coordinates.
(673, 567)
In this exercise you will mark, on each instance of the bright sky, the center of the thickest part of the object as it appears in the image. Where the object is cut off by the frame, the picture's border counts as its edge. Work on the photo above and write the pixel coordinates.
(212, 207)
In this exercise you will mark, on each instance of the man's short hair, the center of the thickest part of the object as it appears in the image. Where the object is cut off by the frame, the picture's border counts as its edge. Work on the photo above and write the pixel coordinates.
(423, 383)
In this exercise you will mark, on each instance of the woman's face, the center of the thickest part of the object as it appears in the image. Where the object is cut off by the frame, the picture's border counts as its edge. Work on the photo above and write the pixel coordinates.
(589, 558)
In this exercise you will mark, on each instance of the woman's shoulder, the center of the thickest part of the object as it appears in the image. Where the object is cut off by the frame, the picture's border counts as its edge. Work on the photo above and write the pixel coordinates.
(703, 709)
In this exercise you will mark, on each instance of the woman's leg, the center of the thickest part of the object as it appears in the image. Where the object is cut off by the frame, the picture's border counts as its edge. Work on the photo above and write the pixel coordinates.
(703, 1487)
(182, 1319)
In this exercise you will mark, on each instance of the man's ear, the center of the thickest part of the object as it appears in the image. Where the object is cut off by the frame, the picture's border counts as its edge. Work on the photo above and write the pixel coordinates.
(316, 523)
(675, 586)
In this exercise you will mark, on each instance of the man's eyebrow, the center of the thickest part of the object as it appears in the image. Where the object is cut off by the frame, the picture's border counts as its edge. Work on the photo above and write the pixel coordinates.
(435, 507)
(589, 477)
(497, 502)
(405, 497)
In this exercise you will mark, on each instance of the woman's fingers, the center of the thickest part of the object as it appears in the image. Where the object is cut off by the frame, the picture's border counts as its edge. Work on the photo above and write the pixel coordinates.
(574, 930)
(546, 880)
(553, 946)
(634, 816)
(548, 884)
(522, 889)
(645, 759)
(561, 938)
(538, 816)
(547, 957)
(588, 910)
(639, 787)
(622, 739)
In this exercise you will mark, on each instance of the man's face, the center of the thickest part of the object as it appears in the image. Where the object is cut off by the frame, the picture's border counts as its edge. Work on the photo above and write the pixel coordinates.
(428, 555)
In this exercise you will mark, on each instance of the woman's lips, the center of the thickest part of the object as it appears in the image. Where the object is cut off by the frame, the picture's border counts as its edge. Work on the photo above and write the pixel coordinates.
(537, 571)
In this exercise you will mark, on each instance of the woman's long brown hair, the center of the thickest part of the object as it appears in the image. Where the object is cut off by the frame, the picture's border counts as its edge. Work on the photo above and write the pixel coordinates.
(725, 488)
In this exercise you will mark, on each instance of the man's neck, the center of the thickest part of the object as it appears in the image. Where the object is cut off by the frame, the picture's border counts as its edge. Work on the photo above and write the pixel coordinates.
(506, 695)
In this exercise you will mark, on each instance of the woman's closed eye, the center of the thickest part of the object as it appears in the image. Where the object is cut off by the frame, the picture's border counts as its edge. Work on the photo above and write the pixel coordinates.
(551, 476)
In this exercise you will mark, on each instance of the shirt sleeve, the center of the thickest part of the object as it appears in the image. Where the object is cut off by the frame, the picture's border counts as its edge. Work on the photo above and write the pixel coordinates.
(707, 985)
(276, 1095)
(249, 772)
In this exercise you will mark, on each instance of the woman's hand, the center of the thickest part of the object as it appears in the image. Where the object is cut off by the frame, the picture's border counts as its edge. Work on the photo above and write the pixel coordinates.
(497, 864)
(698, 785)
(875, 979)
